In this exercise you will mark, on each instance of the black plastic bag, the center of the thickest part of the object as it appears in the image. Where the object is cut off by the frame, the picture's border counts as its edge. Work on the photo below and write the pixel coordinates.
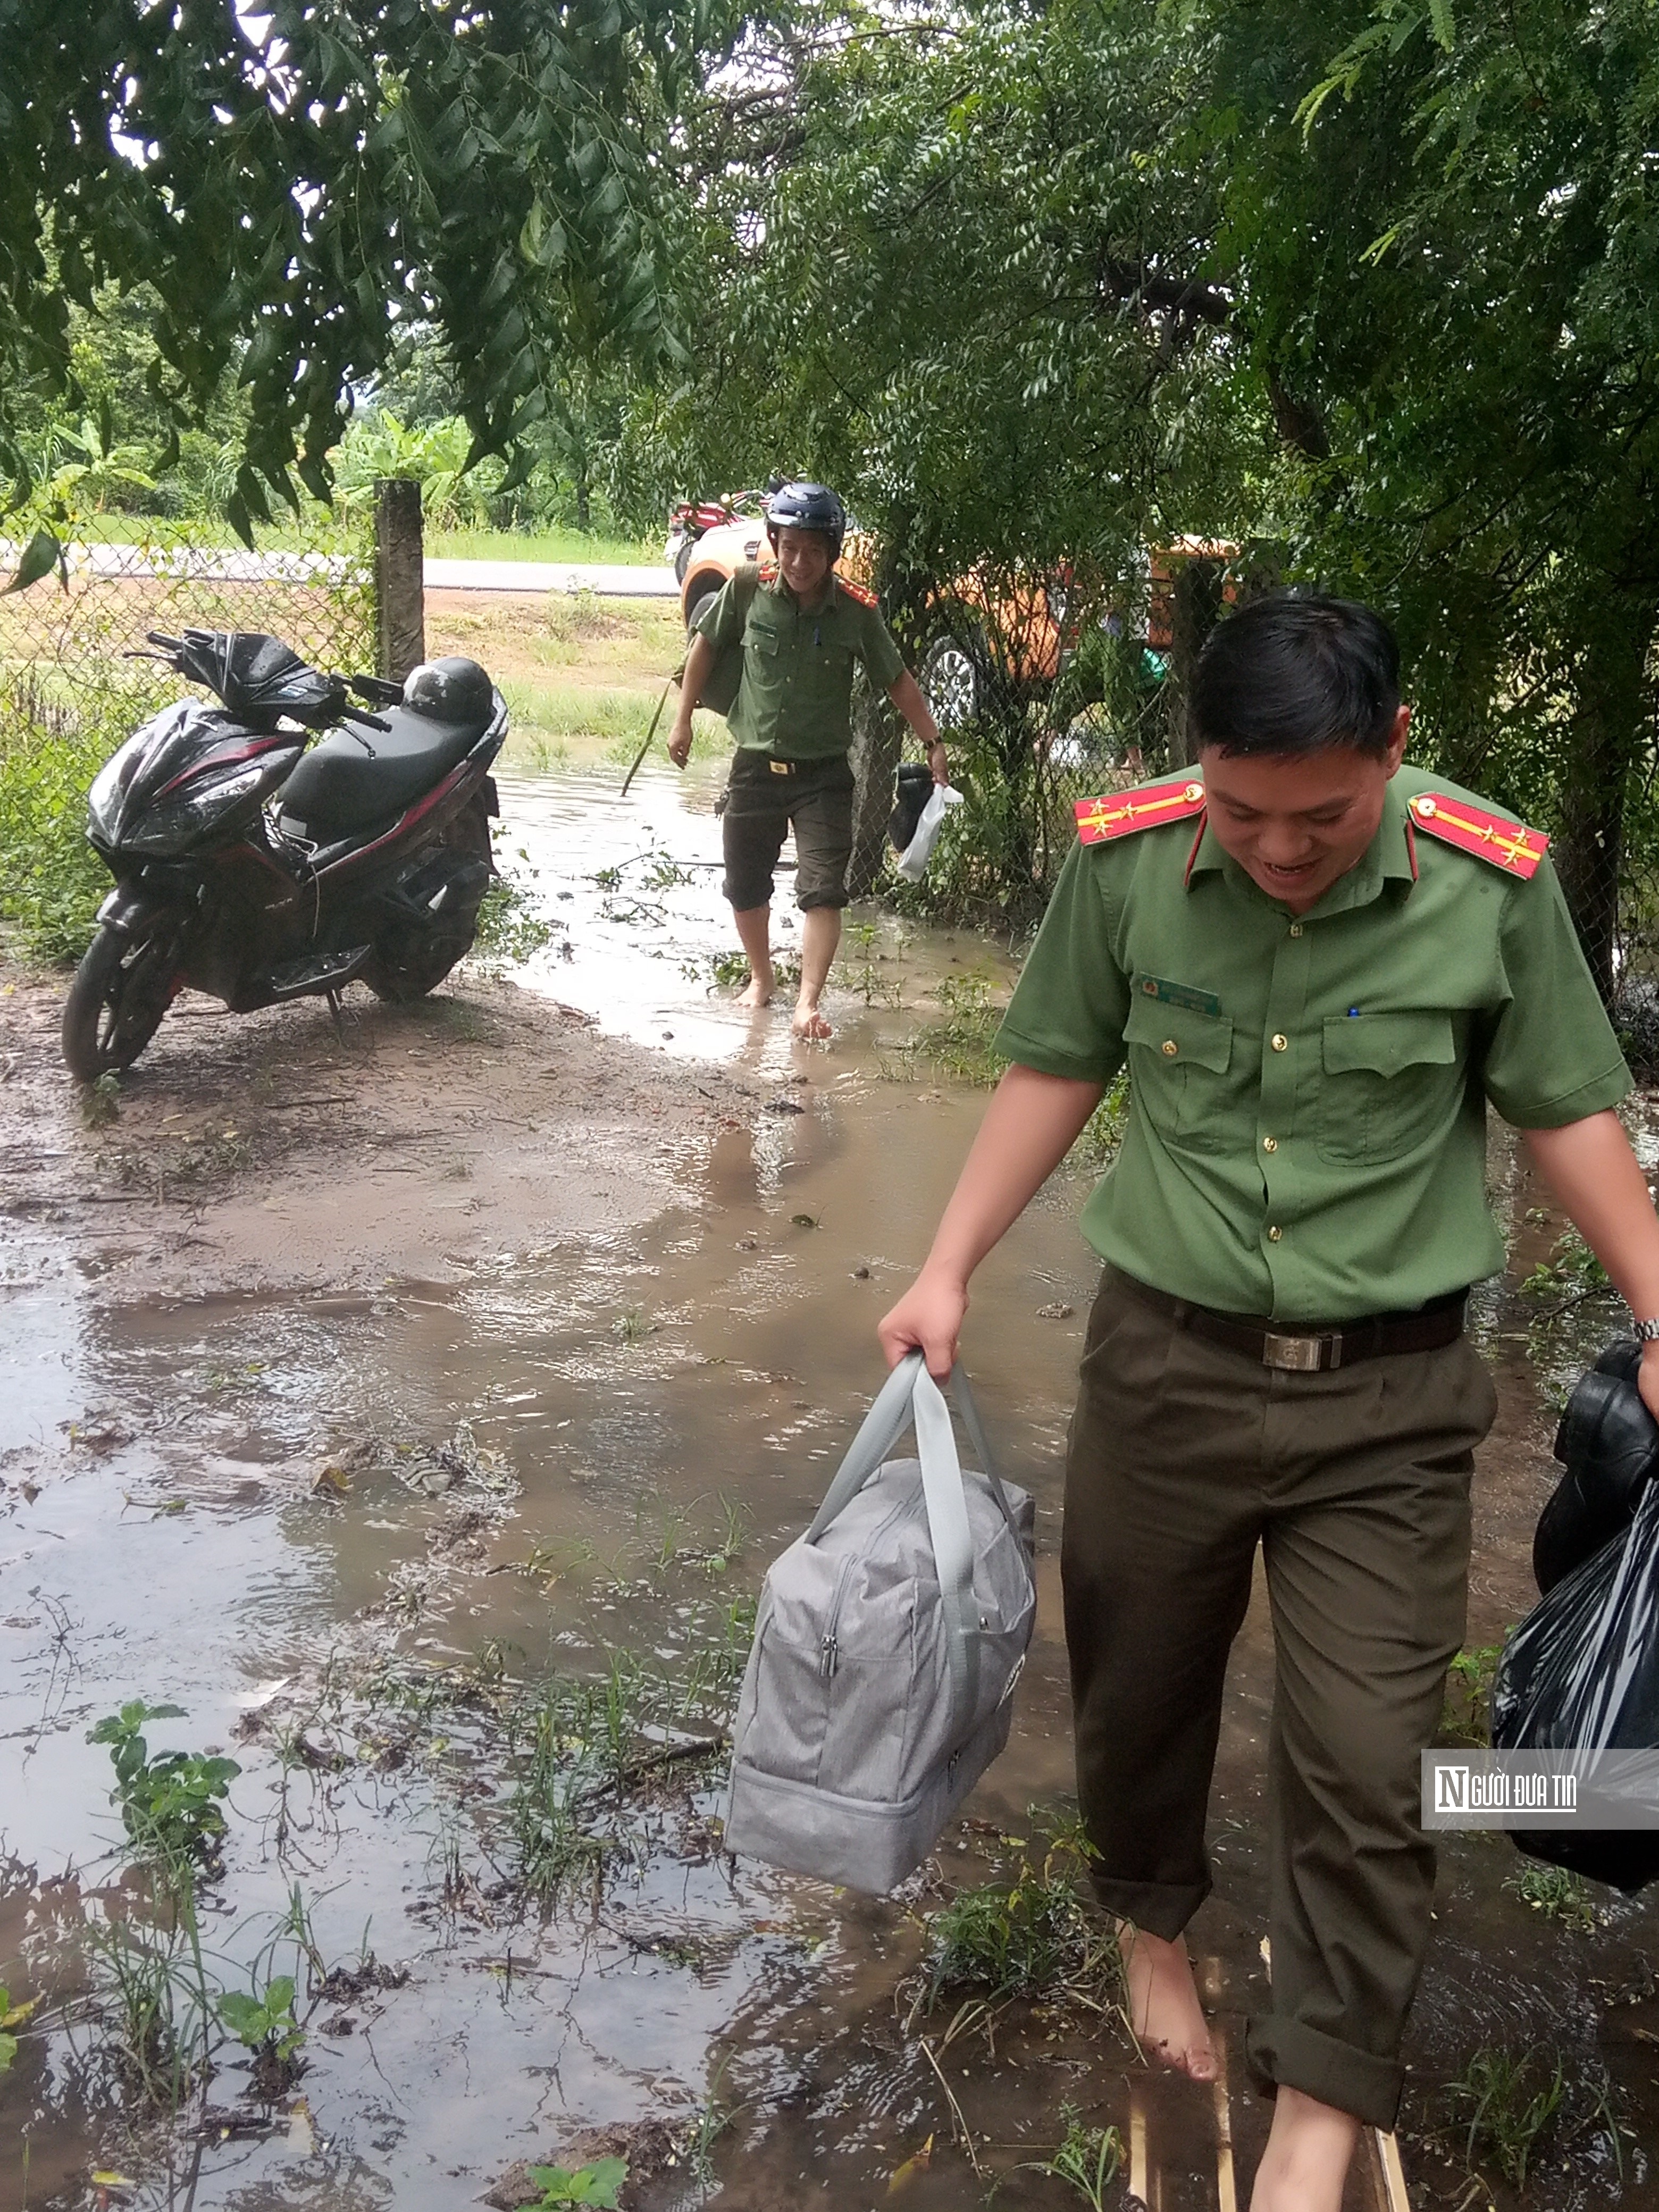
(1608, 1442)
(915, 784)
(1582, 1673)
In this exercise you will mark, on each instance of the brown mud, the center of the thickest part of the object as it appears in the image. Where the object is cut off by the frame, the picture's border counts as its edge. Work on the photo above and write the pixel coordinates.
(356, 1380)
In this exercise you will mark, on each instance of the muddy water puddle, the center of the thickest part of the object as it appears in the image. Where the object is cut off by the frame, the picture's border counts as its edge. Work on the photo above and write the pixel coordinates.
(357, 1536)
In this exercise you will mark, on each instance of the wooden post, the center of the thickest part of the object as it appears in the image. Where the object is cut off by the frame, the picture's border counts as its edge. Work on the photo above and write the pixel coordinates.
(399, 577)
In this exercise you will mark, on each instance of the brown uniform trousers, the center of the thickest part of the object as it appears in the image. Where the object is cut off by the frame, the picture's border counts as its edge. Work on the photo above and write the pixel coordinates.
(1184, 1456)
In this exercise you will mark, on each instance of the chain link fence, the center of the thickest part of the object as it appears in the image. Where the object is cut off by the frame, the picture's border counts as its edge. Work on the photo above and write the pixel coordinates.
(71, 692)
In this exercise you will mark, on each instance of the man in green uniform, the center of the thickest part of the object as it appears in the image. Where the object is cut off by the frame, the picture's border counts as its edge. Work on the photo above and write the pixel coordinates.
(1321, 967)
(801, 630)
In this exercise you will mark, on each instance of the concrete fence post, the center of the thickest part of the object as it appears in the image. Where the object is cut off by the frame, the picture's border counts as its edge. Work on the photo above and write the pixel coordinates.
(399, 577)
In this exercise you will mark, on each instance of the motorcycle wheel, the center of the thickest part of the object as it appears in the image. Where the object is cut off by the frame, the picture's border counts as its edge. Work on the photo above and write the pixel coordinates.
(407, 963)
(682, 560)
(116, 1003)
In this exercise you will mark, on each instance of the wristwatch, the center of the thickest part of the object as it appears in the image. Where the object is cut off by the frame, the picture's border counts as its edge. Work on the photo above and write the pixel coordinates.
(1647, 1332)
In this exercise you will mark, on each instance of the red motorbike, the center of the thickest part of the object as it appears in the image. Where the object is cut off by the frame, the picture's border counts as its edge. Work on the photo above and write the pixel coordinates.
(688, 520)
(256, 870)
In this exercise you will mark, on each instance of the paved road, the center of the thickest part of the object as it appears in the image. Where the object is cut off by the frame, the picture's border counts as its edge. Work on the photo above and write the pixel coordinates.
(608, 582)
(235, 565)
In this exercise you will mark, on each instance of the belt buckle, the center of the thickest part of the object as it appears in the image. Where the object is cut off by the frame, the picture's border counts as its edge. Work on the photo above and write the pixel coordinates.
(778, 767)
(1300, 1355)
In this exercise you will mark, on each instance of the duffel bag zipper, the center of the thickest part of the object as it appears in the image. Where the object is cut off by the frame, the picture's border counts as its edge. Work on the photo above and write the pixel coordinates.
(829, 1642)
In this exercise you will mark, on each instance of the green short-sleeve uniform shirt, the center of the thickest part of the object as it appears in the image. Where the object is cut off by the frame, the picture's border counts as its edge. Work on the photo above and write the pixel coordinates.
(1308, 1094)
(795, 699)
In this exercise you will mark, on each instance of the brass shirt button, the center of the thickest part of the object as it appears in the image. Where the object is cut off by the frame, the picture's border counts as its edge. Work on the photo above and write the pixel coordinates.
(1274, 1236)
(1170, 1047)
(1280, 1043)
(1270, 1144)
(1296, 929)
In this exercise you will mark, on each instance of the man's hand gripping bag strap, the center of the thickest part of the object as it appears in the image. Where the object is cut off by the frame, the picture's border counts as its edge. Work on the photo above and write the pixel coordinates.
(908, 1394)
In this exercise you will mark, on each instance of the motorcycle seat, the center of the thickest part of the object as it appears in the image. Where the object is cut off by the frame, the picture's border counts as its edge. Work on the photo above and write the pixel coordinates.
(338, 787)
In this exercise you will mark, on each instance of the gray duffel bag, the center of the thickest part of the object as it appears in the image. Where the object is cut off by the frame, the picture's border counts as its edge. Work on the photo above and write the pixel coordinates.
(887, 1644)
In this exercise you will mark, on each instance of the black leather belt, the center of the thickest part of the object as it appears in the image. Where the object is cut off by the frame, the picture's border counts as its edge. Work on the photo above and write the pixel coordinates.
(1304, 1348)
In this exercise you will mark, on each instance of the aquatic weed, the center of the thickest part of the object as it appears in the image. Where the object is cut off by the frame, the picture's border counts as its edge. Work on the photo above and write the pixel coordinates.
(169, 1804)
(1033, 1937)
(858, 968)
(1087, 2158)
(1557, 1894)
(1511, 2100)
(149, 1990)
(11, 2015)
(599, 2184)
(959, 1046)
(263, 2019)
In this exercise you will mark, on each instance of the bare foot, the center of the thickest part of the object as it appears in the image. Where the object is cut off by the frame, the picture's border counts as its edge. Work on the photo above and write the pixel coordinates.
(1306, 2161)
(810, 1024)
(759, 992)
(1164, 2007)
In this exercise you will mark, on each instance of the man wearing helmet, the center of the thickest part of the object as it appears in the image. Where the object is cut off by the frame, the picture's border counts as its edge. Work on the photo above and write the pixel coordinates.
(801, 627)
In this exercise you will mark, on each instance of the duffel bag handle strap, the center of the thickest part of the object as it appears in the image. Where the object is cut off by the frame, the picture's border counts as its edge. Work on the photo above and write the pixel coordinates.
(953, 1546)
(889, 1415)
(880, 1429)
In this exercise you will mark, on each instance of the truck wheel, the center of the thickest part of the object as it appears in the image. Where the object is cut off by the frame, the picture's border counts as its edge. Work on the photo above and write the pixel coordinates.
(116, 1003)
(700, 606)
(951, 682)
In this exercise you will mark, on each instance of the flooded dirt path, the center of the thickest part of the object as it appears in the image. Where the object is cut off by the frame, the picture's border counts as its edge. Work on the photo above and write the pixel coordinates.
(417, 1409)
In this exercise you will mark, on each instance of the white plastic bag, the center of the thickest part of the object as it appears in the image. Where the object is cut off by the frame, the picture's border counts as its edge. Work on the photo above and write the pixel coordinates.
(913, 861)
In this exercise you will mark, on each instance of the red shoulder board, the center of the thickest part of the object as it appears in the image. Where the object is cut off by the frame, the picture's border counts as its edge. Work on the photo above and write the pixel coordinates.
(1508, 845)
(767, 571)
(865, 599)
(1099, 819)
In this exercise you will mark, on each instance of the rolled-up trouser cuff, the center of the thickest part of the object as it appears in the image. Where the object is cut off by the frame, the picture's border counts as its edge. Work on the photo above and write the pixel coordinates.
(1162, 1908)
(1286, 2054)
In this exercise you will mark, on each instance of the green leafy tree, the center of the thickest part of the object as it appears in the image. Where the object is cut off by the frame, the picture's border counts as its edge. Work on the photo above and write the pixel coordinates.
(1444, 230)
(296, 184)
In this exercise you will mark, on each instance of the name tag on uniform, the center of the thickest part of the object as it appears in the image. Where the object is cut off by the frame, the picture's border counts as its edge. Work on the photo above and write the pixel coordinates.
(1177, 994)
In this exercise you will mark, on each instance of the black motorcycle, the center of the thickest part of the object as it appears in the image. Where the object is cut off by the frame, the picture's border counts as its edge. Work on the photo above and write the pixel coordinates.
(256, 871)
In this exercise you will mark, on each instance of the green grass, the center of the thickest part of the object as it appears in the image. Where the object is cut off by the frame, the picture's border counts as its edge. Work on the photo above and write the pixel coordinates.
(553, 544)
(1557, 1894)
(1508, 2103)
(52, 882)
(1033, 1937)
(547, 720)
(1466, 1715)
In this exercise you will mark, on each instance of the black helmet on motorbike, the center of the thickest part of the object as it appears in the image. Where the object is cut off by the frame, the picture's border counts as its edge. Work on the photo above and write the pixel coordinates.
(807, 507)
(451, 690)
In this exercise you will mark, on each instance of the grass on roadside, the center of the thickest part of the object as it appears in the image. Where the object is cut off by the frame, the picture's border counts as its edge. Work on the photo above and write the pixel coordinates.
(552, 544)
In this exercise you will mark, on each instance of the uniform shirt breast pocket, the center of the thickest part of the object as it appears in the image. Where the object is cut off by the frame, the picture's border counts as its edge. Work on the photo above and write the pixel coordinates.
(765, 660)
(1181, 1065)
(1390, 1080)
